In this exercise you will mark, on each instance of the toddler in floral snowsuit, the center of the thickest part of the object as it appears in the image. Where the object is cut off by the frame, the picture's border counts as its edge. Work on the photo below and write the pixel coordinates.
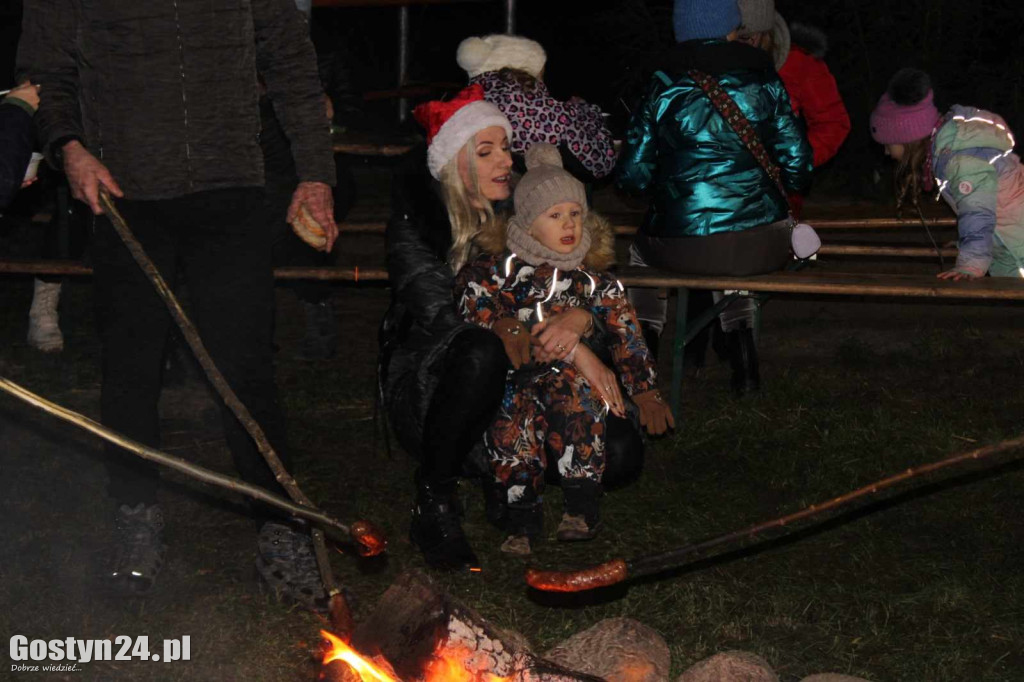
(558, 408)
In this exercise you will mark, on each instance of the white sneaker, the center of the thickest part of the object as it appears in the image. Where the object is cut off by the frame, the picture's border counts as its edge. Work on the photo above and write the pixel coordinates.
(43, 322)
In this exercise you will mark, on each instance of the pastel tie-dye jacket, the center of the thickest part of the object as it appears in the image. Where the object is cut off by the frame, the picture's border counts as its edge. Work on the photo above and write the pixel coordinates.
(978, 174)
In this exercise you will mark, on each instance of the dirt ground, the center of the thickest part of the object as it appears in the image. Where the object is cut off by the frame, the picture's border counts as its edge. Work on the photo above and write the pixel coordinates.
(922, 585)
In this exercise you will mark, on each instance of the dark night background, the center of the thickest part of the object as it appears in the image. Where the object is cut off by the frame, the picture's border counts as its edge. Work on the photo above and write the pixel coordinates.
(603, 50)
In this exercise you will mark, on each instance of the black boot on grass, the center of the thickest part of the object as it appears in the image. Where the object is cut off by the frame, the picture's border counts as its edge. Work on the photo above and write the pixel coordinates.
(436, 528)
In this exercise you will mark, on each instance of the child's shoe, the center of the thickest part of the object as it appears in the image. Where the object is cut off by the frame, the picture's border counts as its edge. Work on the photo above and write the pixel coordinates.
(525, 523)
(582, 518)
(518, 545)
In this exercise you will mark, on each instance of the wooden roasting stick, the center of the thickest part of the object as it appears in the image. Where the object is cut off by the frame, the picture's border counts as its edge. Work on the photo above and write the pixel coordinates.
(170, 461)
(368, 538)
(618, 570)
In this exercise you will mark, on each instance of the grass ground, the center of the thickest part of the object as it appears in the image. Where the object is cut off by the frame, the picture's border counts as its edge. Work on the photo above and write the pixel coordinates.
(922, 585)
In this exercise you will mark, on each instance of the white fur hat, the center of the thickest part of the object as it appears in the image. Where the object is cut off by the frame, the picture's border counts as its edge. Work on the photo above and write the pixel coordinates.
(494, 52)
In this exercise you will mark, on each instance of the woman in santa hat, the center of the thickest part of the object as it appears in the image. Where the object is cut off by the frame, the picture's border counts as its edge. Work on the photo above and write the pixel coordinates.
(441, 378)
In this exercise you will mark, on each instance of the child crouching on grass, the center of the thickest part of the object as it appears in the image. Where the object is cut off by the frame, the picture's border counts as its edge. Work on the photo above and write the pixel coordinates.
(558, 407)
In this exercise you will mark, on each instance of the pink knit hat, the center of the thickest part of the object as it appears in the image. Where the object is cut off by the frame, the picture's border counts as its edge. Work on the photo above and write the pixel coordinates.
(906, 112)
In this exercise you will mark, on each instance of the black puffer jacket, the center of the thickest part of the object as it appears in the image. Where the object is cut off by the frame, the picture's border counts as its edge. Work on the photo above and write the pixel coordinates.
(422, 319)
(164, 92)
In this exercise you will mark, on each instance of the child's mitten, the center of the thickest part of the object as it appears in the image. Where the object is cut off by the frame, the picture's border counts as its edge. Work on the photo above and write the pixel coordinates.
(655, 414)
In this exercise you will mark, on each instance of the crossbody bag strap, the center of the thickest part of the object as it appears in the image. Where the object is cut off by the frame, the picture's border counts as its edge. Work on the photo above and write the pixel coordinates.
(730, 111)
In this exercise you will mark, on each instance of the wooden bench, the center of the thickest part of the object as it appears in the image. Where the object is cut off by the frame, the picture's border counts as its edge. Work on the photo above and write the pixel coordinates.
(808, 282)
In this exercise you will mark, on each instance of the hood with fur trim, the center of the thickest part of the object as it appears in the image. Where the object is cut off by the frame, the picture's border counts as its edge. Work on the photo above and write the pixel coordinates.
(600, 257)
(810, 39)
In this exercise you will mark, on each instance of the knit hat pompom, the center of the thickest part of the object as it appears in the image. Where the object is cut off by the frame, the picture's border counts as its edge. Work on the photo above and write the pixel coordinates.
(477, 55)
(906, 112)
(542, 154)
(909, 86)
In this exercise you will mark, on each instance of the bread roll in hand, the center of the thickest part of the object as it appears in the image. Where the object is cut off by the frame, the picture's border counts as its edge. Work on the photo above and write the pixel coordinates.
(309, 230)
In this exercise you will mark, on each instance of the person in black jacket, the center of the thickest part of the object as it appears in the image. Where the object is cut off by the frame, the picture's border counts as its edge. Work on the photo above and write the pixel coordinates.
(16, 111)
(441, 378)
(156, 103)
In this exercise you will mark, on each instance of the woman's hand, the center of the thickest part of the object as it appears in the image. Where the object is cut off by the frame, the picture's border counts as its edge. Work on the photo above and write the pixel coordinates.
(555, 337)
(515, 338)
(601, 379)
(957, 275)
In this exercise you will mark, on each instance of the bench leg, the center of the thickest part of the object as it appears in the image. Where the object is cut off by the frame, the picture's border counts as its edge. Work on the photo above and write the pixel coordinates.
(678, 345)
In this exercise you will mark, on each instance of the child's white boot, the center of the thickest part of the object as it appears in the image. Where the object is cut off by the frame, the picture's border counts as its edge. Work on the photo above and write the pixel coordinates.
(43, 321)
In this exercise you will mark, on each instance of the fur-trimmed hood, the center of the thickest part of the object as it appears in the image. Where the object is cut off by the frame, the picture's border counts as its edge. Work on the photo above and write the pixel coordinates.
(600, 257)
(810, 39)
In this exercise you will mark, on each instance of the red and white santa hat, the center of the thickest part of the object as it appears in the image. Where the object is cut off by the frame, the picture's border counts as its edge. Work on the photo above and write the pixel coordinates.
(450, 124)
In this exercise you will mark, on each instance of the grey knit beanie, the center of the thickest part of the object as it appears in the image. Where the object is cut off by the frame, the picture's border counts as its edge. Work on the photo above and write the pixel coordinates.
(759, 16)
(545, 184)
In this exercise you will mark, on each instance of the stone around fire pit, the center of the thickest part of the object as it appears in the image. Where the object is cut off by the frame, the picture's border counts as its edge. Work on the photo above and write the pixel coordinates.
(618, 650)
(833, 677)
(730, 666)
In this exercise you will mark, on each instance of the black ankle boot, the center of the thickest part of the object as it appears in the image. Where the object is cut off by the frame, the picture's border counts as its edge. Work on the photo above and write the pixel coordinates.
(746, 377)
(436, 528)
(653, 339)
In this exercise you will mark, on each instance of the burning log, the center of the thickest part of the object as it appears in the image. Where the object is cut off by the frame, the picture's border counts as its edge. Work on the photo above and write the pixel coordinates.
(418, 633)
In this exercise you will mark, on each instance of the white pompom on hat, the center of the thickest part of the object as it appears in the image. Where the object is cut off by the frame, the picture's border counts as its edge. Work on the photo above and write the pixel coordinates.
(477, 55)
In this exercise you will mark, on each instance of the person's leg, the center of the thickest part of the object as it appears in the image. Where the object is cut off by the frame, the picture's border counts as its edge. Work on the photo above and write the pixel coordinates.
(576, 438)
(623, 452)
(651, 304)
(226, 258)
(471, 381)
(518, 462)
(133, 324)
(737, 325)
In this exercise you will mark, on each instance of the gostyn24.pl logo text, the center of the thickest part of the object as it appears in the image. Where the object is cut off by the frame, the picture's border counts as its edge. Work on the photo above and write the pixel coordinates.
(66, 654)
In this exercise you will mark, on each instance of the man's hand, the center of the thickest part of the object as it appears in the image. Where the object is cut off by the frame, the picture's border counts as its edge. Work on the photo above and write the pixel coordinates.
(555, 337)
(27, 93)
(86, 175)
(319, 201)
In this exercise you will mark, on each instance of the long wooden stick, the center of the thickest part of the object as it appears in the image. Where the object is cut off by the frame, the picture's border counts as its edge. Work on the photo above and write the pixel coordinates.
(170, 461)
(618, 570)
(371, 540)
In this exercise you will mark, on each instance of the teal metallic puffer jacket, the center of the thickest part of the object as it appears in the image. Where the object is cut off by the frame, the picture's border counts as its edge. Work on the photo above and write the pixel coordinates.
(703, 178)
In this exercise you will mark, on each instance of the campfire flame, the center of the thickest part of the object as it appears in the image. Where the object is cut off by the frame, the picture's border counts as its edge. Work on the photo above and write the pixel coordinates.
(340, 651)
(447, 665)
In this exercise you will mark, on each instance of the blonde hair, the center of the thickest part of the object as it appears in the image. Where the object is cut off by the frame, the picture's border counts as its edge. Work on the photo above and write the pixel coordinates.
(468, 219)
(910, 172)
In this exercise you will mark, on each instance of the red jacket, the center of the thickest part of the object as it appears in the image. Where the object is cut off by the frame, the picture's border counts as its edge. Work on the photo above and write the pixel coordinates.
(815, 97)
